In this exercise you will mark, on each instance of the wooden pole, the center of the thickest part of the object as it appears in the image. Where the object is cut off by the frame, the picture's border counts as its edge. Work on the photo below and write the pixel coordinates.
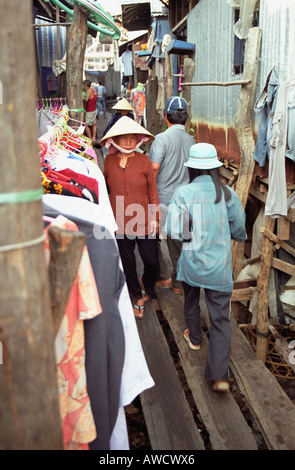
(76, 45)
(244, 132)
(29, 405)
(188, 71)
(262, 288)
(234, 82)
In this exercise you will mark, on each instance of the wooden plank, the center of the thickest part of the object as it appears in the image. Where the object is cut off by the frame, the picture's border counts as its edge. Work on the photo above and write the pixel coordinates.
(220, 413)
(168, 417)
(274, 238)
(283, 266)
(283, 228)
(242, 294)
(271, 407)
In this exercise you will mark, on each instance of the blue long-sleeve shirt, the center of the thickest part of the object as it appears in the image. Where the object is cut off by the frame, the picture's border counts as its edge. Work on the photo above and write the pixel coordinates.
(205, 260)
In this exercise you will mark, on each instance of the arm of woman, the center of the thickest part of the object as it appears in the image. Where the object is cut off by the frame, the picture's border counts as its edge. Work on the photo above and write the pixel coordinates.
(154, 203)
(236, 218)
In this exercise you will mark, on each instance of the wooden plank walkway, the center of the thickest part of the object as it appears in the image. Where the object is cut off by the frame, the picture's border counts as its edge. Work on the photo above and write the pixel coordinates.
(220, 413)
(169, 419)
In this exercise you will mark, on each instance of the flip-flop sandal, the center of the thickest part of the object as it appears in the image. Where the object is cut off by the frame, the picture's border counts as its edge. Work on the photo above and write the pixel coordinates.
(146, 297)
(140, 311)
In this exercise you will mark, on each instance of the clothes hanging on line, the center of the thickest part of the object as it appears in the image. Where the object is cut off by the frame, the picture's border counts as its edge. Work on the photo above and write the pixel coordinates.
(75, 184)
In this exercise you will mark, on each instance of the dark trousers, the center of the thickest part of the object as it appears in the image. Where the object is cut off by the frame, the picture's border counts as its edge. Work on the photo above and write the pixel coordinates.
(218, 304)
(148, 251)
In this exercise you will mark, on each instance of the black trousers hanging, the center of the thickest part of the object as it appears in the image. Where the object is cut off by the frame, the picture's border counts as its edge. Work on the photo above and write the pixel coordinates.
(148, 251)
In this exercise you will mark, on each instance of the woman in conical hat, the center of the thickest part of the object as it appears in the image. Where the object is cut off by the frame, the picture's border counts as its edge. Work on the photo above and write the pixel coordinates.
(123, 105)
(122, 108)
(134, 199)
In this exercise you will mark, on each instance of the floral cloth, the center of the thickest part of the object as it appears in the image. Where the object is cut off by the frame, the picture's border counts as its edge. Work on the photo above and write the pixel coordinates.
(77, 420)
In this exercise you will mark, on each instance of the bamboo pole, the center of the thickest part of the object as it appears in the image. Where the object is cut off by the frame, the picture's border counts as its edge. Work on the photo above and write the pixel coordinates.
(29, 406)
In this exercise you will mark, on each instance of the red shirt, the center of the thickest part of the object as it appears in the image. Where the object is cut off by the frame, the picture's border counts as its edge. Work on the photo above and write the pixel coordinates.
(133, 193)
(91, 103)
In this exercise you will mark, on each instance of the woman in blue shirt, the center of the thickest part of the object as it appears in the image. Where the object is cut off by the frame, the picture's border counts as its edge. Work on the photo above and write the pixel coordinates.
(205, 215)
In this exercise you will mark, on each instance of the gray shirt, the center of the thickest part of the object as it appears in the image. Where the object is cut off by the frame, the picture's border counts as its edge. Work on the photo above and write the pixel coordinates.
(170, 150)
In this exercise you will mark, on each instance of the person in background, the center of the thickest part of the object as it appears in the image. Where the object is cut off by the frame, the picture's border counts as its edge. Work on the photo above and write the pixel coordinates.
(204, 216)
(134, 199)
(168, 153)
(90, 115)
(122, 108)
(101, 100)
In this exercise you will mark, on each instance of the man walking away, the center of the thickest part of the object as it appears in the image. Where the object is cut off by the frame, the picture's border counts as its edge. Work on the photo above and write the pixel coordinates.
(168, 153)
(101, 102)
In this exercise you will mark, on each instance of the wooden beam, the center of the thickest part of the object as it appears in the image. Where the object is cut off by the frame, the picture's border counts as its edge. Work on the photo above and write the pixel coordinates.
(272, 409)
(245, 134)
(274, 238)
(66, 249)
(188, 71)
(224, 84)
(287, 268)
(262, 287)
(243, 294)
(77, 36)
(50, 24)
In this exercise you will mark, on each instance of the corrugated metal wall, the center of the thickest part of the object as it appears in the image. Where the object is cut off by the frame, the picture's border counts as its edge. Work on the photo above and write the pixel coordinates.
(46, 37)
(210, 27)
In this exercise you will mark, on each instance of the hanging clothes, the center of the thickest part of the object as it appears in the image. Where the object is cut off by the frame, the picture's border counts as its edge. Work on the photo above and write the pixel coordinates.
(78, 424)
(103, 336)
(115, 365)
(127, 61)
(138, 102)
(276, 201)
(265, 108)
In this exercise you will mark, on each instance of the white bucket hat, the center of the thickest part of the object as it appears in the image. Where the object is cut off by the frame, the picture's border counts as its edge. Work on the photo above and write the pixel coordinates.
(126, 125)
(123, 104)
(203, 156)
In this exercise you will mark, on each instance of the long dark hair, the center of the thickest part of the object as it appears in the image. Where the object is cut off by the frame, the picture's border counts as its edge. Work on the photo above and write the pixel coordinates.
(219, 185)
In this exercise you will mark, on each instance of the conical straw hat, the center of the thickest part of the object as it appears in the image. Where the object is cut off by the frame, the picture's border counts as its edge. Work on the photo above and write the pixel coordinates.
(124, 105)
(126, 125)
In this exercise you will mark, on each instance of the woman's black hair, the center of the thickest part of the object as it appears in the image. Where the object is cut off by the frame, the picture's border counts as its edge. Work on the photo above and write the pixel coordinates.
(219, 185)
